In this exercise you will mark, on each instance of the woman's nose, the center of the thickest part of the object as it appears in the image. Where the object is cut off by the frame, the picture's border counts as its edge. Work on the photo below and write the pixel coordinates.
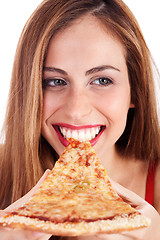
(78, 104)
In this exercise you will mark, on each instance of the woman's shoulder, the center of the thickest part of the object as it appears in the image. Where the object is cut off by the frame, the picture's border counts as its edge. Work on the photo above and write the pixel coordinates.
(157, 188)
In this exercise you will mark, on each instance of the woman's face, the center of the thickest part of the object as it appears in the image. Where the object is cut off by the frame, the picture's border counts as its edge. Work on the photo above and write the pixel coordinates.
(86, 87)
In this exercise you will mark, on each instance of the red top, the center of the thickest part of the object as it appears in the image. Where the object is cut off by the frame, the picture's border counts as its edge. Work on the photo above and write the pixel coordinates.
(149, 197)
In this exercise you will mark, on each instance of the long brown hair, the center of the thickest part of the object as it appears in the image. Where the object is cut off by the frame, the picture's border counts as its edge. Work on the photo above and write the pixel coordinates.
(25, 153)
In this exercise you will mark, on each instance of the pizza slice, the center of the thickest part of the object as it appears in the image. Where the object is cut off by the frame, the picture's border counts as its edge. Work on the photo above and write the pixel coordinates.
(76, 199)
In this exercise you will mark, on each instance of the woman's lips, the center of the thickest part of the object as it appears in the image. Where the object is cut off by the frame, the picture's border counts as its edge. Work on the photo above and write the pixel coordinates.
(81, 133)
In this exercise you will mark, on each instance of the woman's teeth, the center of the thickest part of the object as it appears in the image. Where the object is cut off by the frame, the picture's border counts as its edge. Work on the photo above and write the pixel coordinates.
(81, 134)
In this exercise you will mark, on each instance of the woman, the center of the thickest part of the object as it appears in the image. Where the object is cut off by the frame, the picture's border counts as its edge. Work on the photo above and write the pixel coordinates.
(83, 65)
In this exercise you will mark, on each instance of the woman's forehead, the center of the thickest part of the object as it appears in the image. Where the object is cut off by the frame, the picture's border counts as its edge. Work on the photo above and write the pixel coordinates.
(86, 34)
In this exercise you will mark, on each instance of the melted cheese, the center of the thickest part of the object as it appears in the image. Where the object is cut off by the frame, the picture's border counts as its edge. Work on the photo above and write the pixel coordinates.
(77, 189)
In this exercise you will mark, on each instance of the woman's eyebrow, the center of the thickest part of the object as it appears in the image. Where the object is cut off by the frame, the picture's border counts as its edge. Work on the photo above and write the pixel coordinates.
(88, 72)
(101, 68)
(53, 69)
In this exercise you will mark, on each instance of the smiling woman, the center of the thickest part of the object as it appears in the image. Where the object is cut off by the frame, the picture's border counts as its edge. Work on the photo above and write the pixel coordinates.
(83, 70)
(77, 84)
(20, 11)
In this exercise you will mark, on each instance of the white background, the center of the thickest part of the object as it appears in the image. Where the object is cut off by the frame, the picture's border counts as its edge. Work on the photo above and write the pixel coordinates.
(14, 14)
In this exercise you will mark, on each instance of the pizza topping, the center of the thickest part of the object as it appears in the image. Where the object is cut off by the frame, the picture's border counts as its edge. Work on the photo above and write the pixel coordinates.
(82, 186)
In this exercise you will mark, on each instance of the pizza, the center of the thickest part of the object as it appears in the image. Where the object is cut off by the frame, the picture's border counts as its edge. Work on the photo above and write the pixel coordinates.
(76, 199)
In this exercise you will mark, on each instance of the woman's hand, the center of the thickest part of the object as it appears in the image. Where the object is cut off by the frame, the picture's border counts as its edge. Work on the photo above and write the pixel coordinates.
(26, 197)
(151, 232)
(19, 234)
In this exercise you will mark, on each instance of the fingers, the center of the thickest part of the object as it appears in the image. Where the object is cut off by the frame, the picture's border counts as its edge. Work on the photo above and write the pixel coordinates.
(41, 236)
(26, 197)
(41, 180)
(136, 201)
(106, 237)
(17, 234)
(127, 195)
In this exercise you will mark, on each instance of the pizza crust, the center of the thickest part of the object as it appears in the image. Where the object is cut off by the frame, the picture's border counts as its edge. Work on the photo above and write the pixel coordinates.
(115, 225)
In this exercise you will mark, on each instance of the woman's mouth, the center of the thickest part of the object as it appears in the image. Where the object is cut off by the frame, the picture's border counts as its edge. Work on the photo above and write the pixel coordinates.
(91, 133)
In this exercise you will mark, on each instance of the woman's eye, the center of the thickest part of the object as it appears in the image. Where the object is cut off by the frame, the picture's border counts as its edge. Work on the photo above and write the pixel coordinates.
(53, 83)
(103, 81)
